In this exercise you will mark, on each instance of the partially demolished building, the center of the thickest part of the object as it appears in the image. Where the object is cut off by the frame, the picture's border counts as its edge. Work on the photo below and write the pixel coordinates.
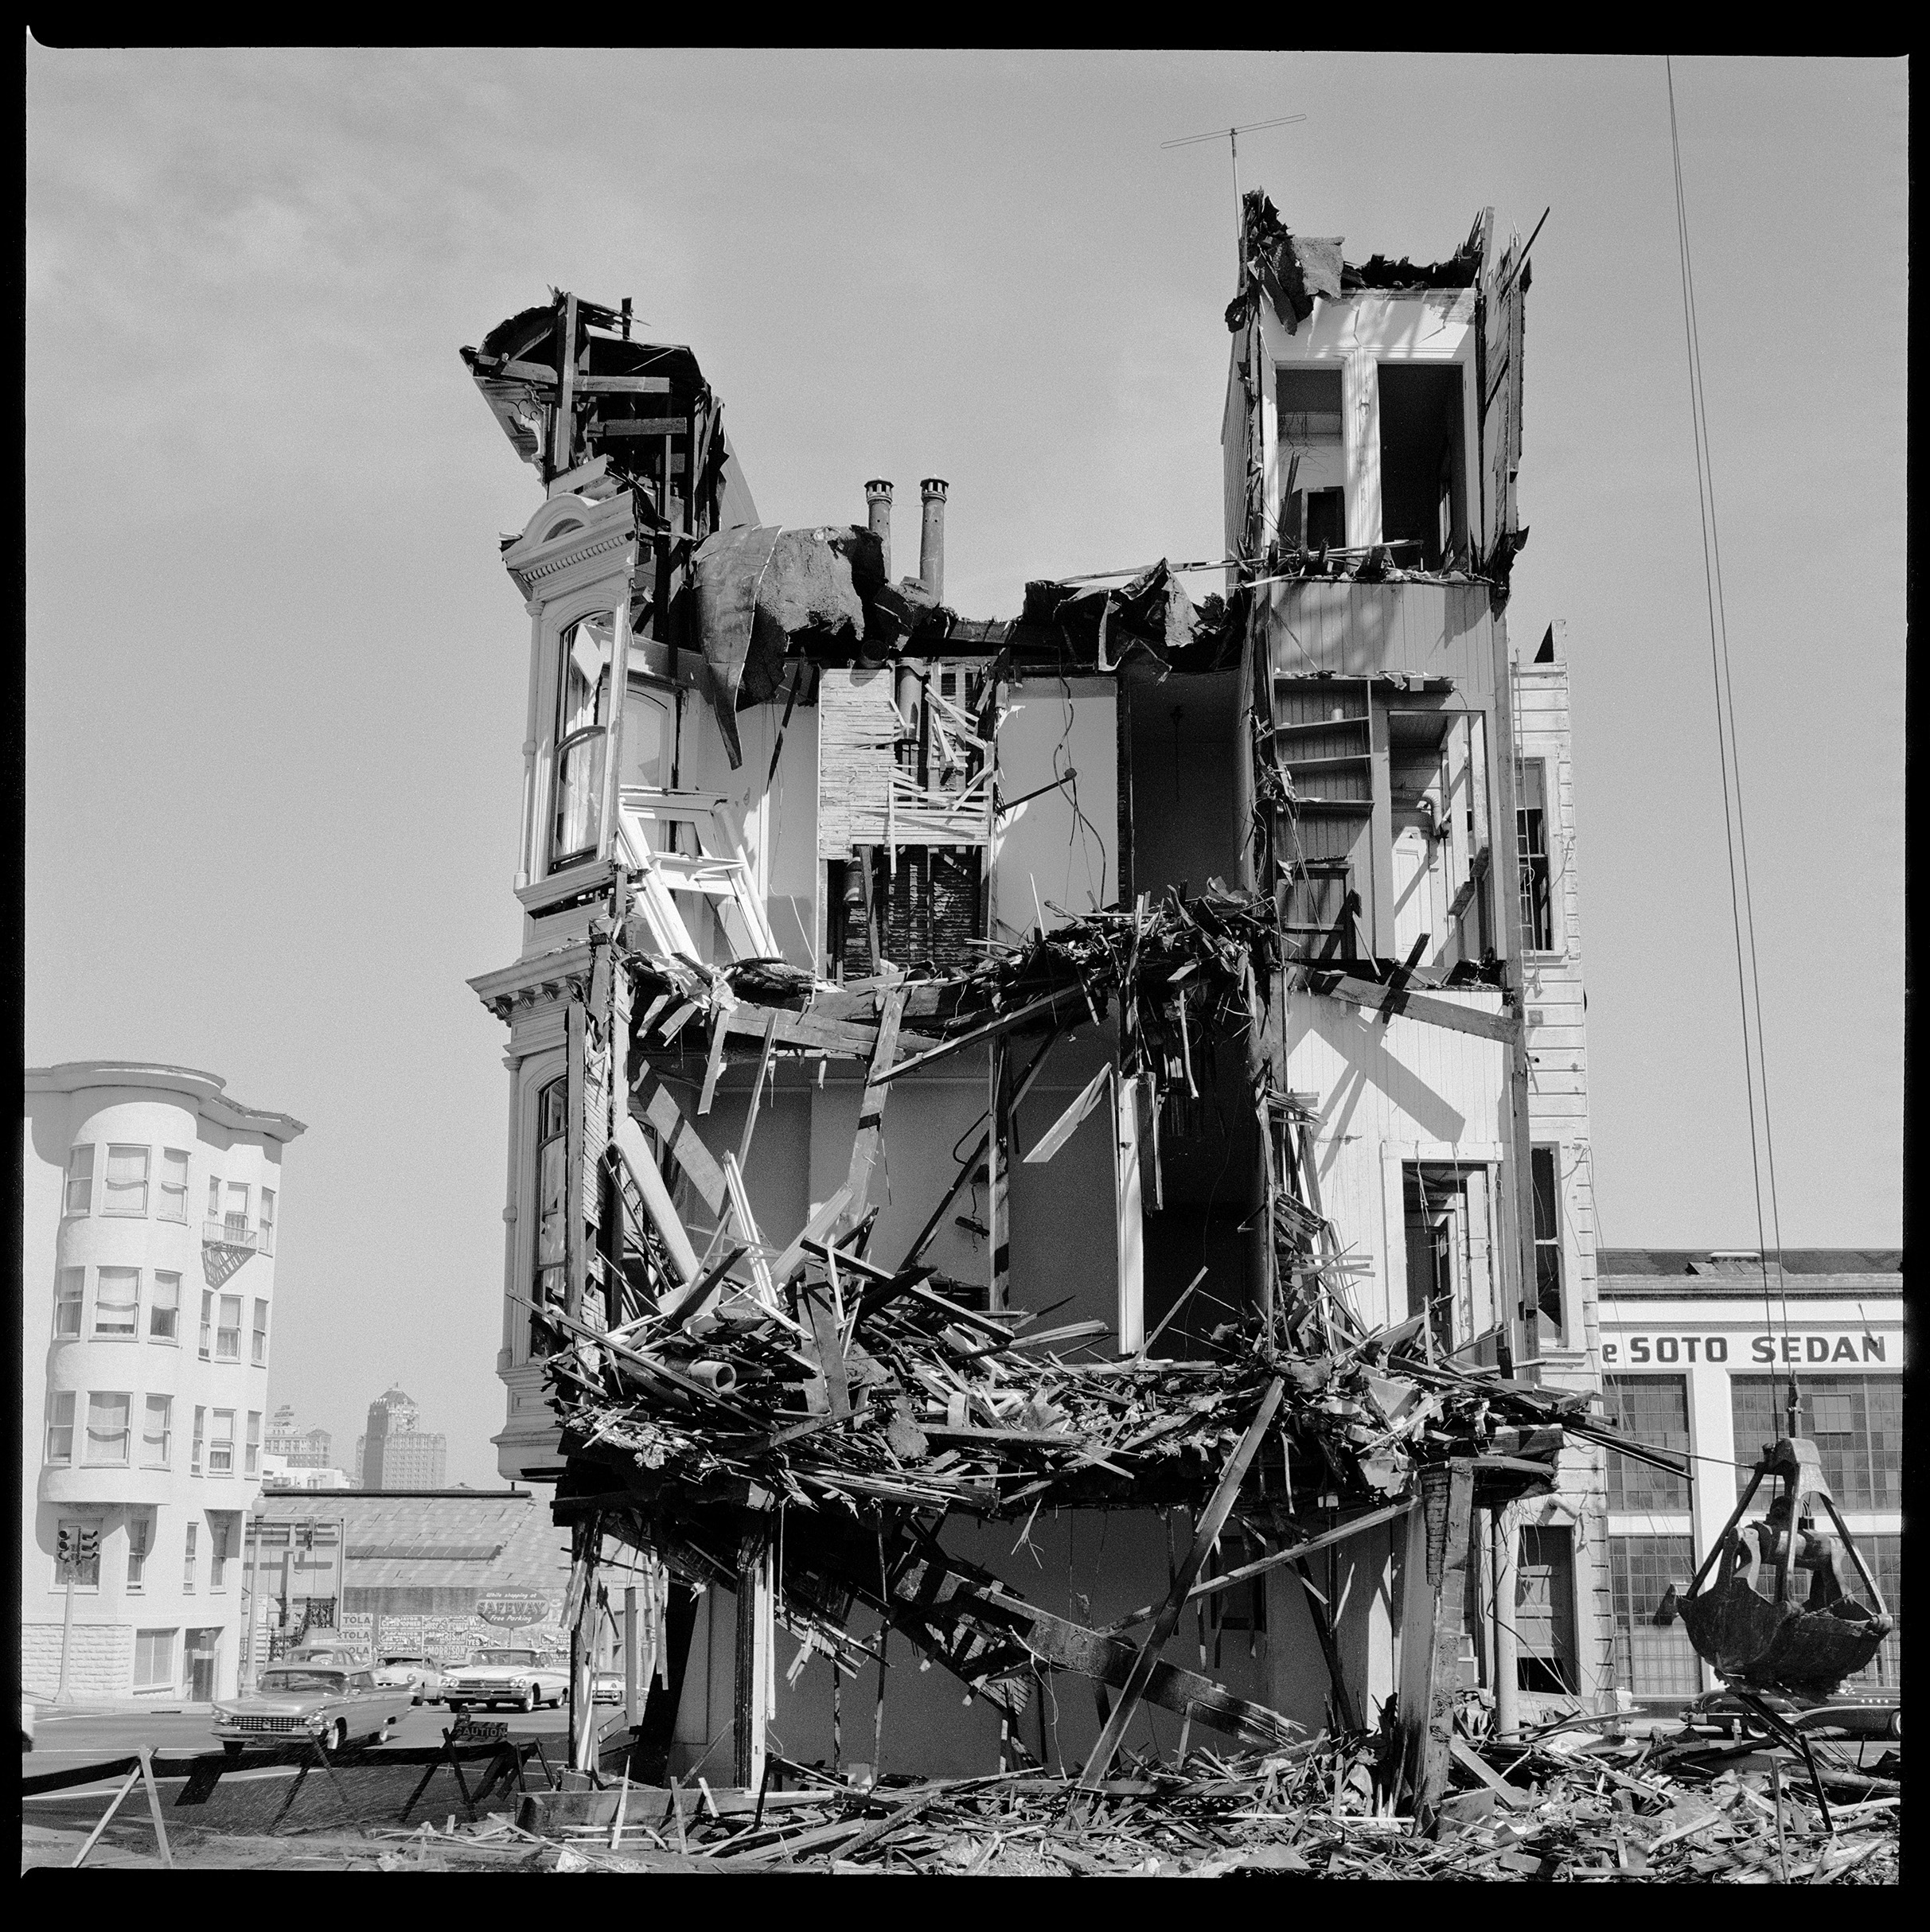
(1038, 1146)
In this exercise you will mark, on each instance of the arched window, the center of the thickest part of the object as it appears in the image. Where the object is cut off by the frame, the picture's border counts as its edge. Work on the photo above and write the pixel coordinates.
(582, 730)
(551, 1279)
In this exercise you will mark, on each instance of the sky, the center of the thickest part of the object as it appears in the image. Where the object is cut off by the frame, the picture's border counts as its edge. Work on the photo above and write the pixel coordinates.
(276, 676)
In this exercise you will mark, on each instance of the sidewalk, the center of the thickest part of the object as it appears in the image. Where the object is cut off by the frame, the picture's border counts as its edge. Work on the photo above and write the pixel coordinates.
(45, 1710)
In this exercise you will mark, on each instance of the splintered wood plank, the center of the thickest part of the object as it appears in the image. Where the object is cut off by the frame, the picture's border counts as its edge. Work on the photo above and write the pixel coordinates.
(653, 1102)
(864, 1149)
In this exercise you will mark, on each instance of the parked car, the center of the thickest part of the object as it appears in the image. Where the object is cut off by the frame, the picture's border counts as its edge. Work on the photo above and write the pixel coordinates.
(422, 1676)
(324, 1700)
(607, 1688)
(1861, 1712)
(517, 1678)
(26, 1723)
(327, 1647)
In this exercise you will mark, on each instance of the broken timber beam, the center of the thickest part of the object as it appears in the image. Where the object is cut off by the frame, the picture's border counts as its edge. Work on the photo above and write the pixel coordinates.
(1505, 1027)
(1206, 1533)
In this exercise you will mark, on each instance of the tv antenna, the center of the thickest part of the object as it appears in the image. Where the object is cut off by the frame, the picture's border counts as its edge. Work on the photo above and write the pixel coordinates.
(1231, 137)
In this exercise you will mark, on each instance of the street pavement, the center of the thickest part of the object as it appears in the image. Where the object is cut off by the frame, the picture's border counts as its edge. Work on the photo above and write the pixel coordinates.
(62, 1738)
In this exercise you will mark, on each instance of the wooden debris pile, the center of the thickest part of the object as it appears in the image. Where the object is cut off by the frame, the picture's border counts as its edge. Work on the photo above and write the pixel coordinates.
(1573, 1806)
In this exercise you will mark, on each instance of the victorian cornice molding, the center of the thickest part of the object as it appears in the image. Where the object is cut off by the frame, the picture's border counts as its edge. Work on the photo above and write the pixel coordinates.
(559, 975)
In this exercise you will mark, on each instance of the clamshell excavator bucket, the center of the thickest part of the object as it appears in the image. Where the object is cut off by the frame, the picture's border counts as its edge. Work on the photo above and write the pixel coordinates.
(1759, 1622)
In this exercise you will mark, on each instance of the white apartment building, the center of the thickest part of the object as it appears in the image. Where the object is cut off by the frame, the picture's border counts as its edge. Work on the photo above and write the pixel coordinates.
(149, 1205)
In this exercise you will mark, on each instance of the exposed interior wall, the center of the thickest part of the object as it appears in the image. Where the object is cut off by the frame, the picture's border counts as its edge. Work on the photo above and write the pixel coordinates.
(1064, 842)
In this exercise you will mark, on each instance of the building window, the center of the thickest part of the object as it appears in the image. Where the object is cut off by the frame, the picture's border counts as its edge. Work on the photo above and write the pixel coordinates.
(1545, 1164)
(252, 1465)
(235, 1222)
(552, 1191)
(117, 1302)
(1312, 456)
(228, 1334)
(1424, 506)
(80, 1180)
(1545, 1612)
(153, 1659)
(82, 1571)
(187, 1557)
(207, 1323)
(1531, 833)
(173, 1185)
(1651, 1660)
(69, 1291)
(1653, 1409)
(140, 1538)
(1884, 1556)
(217, 1552)
(259, 1355)
(1856, 1422)
(1450, 1259)
(583, 719)
(127, 1189)
(156, 1433)
(221, 1444)
(164, 1308)
(60, 1427)
(214, 1198)
(108, 1429)
(194, 1455)
(267, 1221)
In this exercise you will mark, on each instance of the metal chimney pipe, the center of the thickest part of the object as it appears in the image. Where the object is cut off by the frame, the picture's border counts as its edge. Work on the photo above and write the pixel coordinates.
(931, 540)
(878, 507)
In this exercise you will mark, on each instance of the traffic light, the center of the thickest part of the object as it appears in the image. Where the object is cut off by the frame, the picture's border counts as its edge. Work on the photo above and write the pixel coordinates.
(64, 1547)
(90, 1546)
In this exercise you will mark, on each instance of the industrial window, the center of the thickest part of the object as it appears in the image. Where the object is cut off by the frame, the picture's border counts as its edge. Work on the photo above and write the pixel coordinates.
(153, 1659)
(117, 1302)
(1424, 506)
(157, 1433)
(252, 1462)
(221, 1444)
(140, 1540)
(259, 1343)
(200, 1429)
(60, 1427)
(583, 720)
(1653, 1409)
(228, 1331)
(207, 1350)
(173, 1185)
(108, 1429)
(1545, 1612)
(164, 1308)
(80, 1180)
(1544, 1165)
(83, 1572)
(1856, 1422)
(127, 1189)
(1651, 1660)
(1531, 837)
(69, 1291)
(187, 1553)
(1884, 1556)
(552, 1192)
(267, 1221)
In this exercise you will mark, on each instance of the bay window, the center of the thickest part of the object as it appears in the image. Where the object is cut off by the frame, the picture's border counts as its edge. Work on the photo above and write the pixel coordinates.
(127, 1189)
(583, 722)
(194, 1454)
(252, 1465)
(70, 1290)
(108, 1428)
(117, 1302)
(80, 1180)
(228, 1334)
(60, 1427)
(267, 1221)
(260, 1340)
(157, 1432)
(552, 1193)
(164, 1308)
(140, 1540)
(173, 1185)
(221, 1444)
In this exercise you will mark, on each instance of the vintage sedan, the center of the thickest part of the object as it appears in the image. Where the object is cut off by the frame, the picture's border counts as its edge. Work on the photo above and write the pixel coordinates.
(333, 1703)
(414, 1671)
(517, 1678)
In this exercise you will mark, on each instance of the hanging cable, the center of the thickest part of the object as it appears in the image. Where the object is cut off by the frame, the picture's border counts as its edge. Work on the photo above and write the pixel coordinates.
(1741, 906)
